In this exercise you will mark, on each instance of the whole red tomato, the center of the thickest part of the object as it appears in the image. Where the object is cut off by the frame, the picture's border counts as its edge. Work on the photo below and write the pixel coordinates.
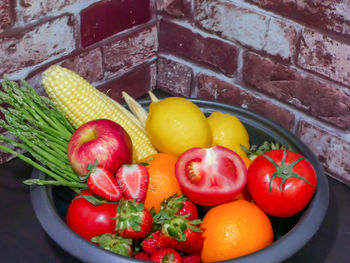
(210, 176)
(88, 220)
(281, 182)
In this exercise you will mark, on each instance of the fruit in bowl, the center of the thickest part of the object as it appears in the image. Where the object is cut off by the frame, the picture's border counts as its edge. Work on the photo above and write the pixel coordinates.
(99, 140)
(296, 234)
(211, 176)
(179, 231)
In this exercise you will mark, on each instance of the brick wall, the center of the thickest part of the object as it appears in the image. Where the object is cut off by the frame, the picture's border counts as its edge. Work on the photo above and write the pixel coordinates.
(287, 60)
(111, 43)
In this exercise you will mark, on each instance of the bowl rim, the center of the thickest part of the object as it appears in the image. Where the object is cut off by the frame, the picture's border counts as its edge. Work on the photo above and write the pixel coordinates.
(289, 244)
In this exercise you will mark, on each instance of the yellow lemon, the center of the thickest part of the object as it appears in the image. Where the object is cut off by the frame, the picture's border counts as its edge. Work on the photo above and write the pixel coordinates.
(229, 132)
(175, 125)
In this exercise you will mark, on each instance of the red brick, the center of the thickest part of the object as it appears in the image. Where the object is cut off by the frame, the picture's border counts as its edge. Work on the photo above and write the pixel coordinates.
(33, 9)
(136, 83)
(325, 56)
(87, 64)
(312, 96)
(33, 47)
(174, 77)
(210, 87)
(331, 149)
(6, 14)
(106, 18)
(251, 29)
(177, 8)
(129, 52)
(325, 14)
(209, 51)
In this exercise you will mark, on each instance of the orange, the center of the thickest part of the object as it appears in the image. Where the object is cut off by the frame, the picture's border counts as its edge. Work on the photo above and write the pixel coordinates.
(234, 229)
(162, 180)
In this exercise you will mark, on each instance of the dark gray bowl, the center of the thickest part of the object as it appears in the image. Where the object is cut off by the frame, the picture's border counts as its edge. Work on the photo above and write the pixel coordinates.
(291, 234)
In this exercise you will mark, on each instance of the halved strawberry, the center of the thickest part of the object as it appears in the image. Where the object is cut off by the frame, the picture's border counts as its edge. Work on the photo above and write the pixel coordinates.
(133, 181)
(133, 220)
(102, 183)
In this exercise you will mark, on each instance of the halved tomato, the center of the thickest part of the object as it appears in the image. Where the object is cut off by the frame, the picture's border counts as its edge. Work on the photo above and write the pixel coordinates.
(210, 176)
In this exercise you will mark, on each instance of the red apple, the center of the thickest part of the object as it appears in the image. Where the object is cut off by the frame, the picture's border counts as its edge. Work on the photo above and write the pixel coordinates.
(99, 140)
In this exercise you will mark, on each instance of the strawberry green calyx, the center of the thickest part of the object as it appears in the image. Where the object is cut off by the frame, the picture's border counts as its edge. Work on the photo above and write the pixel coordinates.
(133, 220)
(284, 171)
(129, 214)
(173, 204)
(176, 226)
(114, 243)
(255, 151)
(92, 167)
(168, 209)
(168, 258)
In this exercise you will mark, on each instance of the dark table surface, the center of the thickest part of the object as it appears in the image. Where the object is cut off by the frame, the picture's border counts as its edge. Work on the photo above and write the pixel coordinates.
(23, 240)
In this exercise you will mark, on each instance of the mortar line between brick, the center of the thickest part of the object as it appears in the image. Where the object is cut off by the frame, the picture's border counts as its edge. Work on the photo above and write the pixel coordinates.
(197, 30)
(240, 63)
(266, 34)
(337, 36)
(196, 68)
(19, 18)
(192, 6)
(294, 65)
(150, 61)
(299, 115)
(23, 73)
(73, 9)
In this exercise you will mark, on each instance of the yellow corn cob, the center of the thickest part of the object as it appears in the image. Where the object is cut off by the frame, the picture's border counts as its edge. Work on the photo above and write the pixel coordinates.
(80, 102)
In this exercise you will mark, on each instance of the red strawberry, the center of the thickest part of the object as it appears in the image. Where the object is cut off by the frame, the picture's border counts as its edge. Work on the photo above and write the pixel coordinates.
(180, 205)
(133, 181)
(133, 220)
(115, 243)
(166, 241)
(102, 183)
(193, 258)
(151, 243)
(143, 256)
(189, 209)
(166, 255)
(183, 235)
(192, 244)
